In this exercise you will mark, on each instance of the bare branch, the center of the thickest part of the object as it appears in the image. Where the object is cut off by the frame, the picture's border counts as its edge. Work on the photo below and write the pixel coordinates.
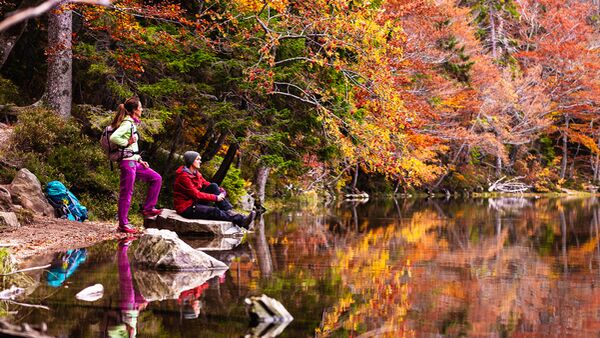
(43, 8)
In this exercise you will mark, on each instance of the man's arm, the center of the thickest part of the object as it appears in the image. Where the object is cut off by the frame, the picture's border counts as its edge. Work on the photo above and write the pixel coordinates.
(187, 187)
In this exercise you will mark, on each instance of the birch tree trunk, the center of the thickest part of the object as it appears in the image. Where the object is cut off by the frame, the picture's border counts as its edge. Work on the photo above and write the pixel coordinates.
(498, 165)
(262, 174)
(59, 84)
(493, 32)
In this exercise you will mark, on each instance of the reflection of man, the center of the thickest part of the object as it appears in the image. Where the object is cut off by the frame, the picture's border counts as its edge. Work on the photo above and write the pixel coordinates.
(189, 300)
(131, 300)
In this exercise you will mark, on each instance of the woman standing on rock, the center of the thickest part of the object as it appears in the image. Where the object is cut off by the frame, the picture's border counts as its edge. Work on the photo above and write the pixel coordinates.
(132, 167)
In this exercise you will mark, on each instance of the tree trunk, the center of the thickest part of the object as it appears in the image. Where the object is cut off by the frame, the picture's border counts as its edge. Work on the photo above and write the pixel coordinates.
(60, 58)
(572, 168)
(498, 166)
(355, 179)
(227, 161)
(213, 147)
(9, 37)
(563, 167)
(596, 164)
(262, 174)
(265, 263)
(493, 32)
(176, 140)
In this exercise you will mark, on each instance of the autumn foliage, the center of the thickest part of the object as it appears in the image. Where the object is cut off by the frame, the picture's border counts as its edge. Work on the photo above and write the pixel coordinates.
(414, 94)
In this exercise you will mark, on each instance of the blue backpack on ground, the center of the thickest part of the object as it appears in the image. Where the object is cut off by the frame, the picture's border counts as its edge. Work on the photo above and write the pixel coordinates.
(65, 203)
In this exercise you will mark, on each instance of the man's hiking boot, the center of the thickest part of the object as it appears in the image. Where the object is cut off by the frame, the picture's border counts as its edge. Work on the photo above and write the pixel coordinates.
(248, 220)
(151, 213)
(128, 229)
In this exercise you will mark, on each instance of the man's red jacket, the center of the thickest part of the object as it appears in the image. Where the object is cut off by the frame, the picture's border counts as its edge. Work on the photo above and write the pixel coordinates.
(187, 189)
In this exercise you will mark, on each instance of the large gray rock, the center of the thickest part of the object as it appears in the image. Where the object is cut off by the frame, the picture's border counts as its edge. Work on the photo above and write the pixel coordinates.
(170, 220)
(163, 250)
(5, 199)
(8, 220)
(26, 190)
(247, 202)
(156, 286)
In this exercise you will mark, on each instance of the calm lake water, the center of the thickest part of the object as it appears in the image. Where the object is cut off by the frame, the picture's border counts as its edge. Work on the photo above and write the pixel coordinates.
(480, 267)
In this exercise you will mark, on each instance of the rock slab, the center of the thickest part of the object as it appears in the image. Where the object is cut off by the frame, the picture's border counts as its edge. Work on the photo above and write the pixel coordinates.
(164, 250)
(26, 190)
(170, 220)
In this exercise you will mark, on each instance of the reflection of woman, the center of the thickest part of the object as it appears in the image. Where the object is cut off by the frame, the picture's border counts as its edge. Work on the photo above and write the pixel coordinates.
(131, 301)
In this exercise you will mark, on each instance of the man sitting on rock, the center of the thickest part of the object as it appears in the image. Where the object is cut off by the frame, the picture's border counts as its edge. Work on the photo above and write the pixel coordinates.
(196, 198)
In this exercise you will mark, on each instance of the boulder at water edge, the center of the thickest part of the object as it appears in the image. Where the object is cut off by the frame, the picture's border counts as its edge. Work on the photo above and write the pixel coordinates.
(163, 250)
(26, 190)
(170, 220)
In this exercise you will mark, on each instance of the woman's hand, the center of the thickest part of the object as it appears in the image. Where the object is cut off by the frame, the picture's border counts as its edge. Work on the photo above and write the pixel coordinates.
(132, 140)
(220, 197)
(144, 164)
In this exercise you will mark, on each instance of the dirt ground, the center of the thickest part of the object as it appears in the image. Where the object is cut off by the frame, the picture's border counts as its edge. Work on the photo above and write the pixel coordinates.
(48, 235)
(45, 236)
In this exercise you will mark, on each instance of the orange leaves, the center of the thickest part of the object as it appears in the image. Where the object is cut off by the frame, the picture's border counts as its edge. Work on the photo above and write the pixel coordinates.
(131, 62)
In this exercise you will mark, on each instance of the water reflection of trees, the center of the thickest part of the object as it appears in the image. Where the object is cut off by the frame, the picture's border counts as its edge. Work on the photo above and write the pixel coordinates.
(495, 266)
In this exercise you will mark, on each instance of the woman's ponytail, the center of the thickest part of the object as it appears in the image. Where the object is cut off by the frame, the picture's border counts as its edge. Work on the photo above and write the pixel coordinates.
(124, 109)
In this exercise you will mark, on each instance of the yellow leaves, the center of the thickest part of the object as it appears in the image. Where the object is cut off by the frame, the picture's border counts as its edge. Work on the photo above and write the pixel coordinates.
(256, 5)
(583, 139)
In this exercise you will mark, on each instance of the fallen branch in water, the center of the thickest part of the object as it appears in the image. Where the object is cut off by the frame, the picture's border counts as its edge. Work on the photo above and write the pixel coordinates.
(511, 186)
(24, 270)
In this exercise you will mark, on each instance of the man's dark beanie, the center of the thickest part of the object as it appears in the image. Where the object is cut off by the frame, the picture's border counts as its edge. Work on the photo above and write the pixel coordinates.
(189, 157)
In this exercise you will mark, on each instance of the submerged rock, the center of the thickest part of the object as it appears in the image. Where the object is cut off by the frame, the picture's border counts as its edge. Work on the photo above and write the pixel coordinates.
(163, 250)
(268, 317)
(26, 190)
(170, 220)
(91, 293)
(154, 285)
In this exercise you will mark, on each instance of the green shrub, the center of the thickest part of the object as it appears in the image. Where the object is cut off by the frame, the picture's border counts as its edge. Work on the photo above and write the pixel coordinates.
(40, 130)
(7, 264)
(233, 182)
(55, 149)
(9, 93)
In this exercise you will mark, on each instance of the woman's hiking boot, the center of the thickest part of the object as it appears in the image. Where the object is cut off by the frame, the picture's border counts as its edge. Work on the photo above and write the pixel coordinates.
(128, 229)
(151, 213)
